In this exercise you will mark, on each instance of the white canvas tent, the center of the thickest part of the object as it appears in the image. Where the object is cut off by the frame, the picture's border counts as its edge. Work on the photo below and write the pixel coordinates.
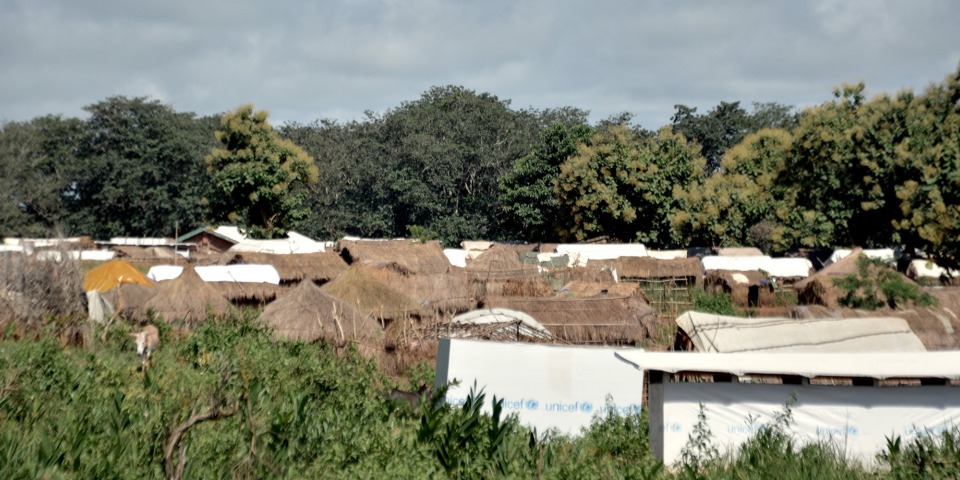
(725, 334)
(858, 418)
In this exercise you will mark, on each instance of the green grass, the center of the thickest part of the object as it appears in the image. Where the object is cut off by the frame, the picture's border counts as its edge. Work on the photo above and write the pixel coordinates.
(280, 409)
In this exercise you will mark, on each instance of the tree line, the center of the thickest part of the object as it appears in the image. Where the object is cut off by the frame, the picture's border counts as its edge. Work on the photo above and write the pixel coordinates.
(456, 164)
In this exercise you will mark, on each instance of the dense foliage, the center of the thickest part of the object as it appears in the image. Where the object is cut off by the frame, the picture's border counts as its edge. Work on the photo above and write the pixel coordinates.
(456, 164)
(228, 400)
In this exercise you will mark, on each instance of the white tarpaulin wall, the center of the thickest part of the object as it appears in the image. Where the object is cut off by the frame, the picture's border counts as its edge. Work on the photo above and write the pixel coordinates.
(581, 253)
(780, 267)
(547, 386)
(858, 419)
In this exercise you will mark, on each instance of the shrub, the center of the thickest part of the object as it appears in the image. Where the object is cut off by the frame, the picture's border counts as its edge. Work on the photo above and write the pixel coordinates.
(876, 285)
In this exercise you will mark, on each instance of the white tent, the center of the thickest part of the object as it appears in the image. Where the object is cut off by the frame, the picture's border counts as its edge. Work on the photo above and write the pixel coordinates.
(920, 268)
(294, 243)
(457, 257)
(884, 254)
(724, 334)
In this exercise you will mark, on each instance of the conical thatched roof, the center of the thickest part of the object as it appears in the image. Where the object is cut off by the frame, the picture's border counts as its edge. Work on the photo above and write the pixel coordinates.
(405, 256)
(440, 292)
(361, 290)
(187, 298)
(500, 262)
(318, 267)
(306, 313)
(112, 273)
(819, 288)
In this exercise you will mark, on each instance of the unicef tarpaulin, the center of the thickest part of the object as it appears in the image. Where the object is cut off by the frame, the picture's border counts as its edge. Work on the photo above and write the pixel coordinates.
(547, 386)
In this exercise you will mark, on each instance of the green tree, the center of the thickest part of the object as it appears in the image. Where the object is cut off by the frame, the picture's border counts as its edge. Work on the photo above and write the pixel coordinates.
(627, 187)
(258, 177)
(34, 160)
(740, 197)
(528, 191)
(138, 171)
(442, 159)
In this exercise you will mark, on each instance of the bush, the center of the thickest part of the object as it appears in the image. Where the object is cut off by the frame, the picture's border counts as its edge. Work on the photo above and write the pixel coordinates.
(876, 285)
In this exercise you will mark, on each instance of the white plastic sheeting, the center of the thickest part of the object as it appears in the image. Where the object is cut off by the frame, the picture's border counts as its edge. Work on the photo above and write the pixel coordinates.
(928, 269)
(856, 419)
(220, 273)
(547, 386)
(529, 326)
(580, 254)
(885, 254)
(98, 308)
(781, 267)
(92, 255)
(723, 334)
(294, 243)
(667, 254)
(457, 257)
(939, 364)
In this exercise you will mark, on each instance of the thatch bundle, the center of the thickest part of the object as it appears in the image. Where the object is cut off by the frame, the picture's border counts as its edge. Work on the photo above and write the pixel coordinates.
(614, 320)
(308, 314)
(583, 289)
(360, 289)
(249, 293)
(318, 267)
(500, 261)
(681, 270)
(405, 256)
(746, 289)
(187, 298)
(937, 327)
(441, 293)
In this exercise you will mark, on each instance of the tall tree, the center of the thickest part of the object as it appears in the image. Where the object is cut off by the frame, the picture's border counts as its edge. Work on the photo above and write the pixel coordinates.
(736, 205)
(139, 170)
(528, 191)
(258, 178)
(627, 187)
(444, 155)
(34, 161)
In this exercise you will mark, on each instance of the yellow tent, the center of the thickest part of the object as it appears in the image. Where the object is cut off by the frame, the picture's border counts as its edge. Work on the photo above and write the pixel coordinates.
(111, 274)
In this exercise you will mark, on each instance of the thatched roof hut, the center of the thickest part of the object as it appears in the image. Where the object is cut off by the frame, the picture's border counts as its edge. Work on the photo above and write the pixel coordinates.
(746, 289)
(439, 292)
(405, 256)
(360, 289)
(500, 261)
(680, 270)
(187, 298)
(613, 320)
(318, 267)
(308, 314)
(819, 289)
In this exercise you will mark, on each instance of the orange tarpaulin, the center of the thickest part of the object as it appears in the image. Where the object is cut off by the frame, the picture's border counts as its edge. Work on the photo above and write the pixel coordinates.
(111, 274)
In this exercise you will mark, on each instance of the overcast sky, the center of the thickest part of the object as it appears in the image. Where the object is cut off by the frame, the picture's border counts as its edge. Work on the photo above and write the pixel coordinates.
(307, 60)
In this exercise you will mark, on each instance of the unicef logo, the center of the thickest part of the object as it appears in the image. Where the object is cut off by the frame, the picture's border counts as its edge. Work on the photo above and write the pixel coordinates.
(675, 427)
(532, 404)
(852, 430)
(586, 407)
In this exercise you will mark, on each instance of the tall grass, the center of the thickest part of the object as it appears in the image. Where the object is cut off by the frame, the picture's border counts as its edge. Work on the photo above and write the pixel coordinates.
(230, 401)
